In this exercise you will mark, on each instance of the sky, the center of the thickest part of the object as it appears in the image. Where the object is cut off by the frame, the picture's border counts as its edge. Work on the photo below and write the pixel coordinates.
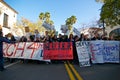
(85, 10)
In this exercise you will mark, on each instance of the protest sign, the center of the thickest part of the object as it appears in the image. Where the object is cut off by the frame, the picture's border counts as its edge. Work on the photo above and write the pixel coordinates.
(83, 53)
(24, 50)
(58, 50)
(111, 51)
(96, 50)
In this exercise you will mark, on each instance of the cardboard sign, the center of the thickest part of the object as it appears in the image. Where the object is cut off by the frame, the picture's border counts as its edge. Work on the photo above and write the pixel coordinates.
(58, 50)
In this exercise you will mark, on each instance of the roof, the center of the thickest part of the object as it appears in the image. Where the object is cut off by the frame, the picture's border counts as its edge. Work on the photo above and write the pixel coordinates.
(2, 1)
(95, 28)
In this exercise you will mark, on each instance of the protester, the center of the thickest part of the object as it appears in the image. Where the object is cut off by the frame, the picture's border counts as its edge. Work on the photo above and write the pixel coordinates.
(11, 38)
(104, 37)
(64, 38)
(37, 36)
(76, 38)
(60, 38)
(71, 39)
(75, 56)
(96, 37)
(32, 38)
(55, 39)
(47, 39)
(23, 39)
(2, 39)
(83, 38)
(37, 39)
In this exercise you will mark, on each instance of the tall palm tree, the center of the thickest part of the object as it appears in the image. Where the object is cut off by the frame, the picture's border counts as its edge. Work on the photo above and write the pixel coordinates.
(42, 16)
(73, 19)
(47, 17)
(70, 21)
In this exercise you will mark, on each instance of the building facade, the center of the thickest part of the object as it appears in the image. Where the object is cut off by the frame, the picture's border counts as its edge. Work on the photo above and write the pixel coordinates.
(109, 32)
(8, 17)
(114, 31)
(92, 31)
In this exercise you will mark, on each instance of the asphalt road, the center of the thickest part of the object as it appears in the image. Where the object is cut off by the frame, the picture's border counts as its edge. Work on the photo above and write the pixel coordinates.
(33, 70)
(100, 72)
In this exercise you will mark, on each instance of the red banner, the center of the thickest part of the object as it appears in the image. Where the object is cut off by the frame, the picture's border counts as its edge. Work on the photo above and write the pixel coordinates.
(58, 50)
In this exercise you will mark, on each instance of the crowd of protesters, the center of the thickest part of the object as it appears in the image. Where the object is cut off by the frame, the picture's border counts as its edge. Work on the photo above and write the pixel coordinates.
(36, 37)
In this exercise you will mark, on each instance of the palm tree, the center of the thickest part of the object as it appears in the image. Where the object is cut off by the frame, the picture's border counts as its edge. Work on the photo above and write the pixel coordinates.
(51, 22)
(47, 17)
(70, 21)
(42, 16)
(73, 20)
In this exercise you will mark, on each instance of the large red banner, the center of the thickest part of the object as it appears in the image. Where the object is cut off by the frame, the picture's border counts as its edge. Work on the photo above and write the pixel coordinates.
(58, 50)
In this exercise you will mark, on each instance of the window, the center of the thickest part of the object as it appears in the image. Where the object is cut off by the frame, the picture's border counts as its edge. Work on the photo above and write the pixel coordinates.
(5, 21)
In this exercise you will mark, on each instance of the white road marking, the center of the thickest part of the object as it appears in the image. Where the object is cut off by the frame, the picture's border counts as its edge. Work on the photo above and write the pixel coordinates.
(11, 64)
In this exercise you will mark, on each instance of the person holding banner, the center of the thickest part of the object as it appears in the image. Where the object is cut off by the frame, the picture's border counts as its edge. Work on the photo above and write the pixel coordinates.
(71, 39)
(76, 39)
(37, 36)
(60, 38)
(55, 39)
(84, 38)
(2, 39)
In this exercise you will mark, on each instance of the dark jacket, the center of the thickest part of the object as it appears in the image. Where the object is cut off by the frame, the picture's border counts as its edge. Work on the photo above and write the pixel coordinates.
(3, 39)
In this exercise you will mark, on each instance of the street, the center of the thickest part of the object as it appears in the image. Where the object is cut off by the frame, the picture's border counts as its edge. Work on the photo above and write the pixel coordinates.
(34, 70)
